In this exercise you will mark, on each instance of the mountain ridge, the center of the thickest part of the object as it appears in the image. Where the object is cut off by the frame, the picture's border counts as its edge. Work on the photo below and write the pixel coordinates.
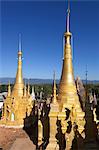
(5, 80)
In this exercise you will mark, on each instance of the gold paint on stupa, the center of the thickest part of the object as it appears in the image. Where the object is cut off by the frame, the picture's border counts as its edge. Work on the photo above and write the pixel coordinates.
(67, 88)
(19, 102)
(68, 97)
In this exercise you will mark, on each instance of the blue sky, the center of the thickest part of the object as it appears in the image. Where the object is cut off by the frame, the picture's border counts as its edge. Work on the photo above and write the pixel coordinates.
(42, 25)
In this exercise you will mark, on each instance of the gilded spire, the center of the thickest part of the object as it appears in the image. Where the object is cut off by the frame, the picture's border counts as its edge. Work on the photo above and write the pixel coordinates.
(19, 84)
(25, 90)
(67, 84)
(28, 88)
(9, 90)
(54, 89)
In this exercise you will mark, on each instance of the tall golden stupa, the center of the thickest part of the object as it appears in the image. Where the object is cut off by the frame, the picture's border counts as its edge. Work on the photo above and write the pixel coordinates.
(68, 97)
(67, 88)
(18, 103)
(68, 100)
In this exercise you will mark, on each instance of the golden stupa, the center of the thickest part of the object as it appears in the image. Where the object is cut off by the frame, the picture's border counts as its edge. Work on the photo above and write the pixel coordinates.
(18, 103)
(68, 97)
(67, 100)
(54, 111)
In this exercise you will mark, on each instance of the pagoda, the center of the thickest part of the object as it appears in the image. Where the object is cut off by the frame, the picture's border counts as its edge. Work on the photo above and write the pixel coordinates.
(66, 103)
(67, 97)
(18, 102)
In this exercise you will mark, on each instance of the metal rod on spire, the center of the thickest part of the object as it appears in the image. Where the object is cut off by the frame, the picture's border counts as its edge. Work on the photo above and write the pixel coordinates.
(68, 15)
(20, 42)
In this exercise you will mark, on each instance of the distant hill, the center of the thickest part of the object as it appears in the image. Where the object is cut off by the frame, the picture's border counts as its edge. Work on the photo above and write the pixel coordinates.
(40, 81)
(91, 81)
(31, 81)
